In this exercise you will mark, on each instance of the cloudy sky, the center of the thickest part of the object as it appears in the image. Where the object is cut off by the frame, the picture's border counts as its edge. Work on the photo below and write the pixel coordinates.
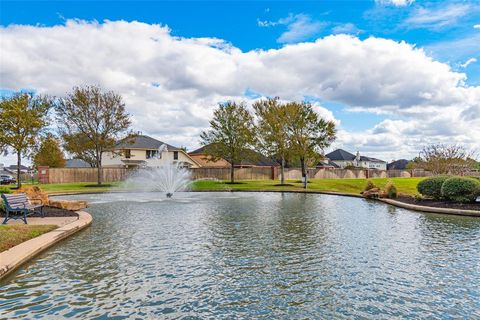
(394, 74)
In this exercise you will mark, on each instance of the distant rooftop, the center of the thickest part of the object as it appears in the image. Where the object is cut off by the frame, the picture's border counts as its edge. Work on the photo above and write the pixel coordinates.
(339, 155)
(398, 164)
(143, 142)
(76, 163)
(342, 155)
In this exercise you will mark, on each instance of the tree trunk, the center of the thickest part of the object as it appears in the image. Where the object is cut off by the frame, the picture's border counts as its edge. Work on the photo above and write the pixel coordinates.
(232, 173)
(99, 169)
(19, 163)
(282, 171)
(304, 173)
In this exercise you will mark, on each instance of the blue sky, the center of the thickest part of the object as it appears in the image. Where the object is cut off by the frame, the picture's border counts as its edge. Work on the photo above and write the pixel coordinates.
(447, 31)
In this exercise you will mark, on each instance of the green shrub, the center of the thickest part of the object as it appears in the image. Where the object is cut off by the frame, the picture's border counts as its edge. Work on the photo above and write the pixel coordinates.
(370, 185)
(461, 189)
(3, 190)
(432, 187)
(391, 190)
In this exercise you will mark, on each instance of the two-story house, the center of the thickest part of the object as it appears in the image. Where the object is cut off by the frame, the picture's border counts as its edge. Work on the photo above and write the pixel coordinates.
(344, 159)
(145, 151)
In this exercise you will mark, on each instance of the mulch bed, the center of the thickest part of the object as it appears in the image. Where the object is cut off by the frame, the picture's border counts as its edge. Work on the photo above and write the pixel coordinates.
(50, 212)
(440, 204)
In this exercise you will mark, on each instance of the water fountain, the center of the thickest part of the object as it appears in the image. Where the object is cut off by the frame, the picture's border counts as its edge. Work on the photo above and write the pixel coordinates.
(169, 177)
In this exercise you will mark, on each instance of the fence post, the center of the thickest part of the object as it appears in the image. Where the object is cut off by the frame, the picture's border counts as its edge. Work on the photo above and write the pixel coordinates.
(43, 175)
(274, 172)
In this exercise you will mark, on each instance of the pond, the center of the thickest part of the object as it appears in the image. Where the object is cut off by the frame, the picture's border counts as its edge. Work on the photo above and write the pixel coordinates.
(252, 255)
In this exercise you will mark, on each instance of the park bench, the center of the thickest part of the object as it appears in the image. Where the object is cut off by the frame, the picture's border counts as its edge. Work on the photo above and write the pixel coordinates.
(17, 206)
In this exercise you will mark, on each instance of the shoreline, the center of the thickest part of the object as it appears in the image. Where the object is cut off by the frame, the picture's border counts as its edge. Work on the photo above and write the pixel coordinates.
(15, 257)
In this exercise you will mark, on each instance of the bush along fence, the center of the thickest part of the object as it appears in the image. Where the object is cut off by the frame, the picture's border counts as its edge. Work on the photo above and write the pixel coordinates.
(72, 175)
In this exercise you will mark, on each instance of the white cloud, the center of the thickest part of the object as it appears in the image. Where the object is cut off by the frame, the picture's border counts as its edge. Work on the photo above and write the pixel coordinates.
(171, 84)
(477, 26)
(266, 23)
(302, 27)
(347, 28)
(469, 61)
(438, 17)
(299, 27)
(398, 3)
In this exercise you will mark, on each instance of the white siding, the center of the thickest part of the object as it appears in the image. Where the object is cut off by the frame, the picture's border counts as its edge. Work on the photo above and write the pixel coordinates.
(110, 159)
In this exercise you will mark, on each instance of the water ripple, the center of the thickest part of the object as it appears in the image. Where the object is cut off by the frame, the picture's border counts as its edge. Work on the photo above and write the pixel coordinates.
(259, 256)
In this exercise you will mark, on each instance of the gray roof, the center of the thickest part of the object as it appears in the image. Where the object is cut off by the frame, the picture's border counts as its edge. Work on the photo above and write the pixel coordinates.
(398, 165)
(339, 155)
(362, 158)
(143, 142)
(325, 163)
(342, 155)
(76, 163)
(14, 167)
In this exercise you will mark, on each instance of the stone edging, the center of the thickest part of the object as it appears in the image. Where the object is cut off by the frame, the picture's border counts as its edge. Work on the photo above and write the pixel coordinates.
(18, 255)
(458, 212)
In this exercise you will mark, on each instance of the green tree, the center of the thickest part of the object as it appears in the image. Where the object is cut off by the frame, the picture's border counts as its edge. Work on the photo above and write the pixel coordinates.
(80, 147)
(49, 153)
(310, 134)
(231, 132)
(273, 131)
(94, 119)
(23, 117)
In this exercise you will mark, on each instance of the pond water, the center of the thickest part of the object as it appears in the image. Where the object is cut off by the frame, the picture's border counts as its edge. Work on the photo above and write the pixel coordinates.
(253, 256)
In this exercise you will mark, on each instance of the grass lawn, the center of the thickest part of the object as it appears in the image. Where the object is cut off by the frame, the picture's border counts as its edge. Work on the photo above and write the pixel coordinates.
(83, 187)
(407, 186)
(11, 235)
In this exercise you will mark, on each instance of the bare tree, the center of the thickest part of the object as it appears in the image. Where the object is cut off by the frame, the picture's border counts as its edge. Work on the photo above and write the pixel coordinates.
(445, 159)
(94, 120)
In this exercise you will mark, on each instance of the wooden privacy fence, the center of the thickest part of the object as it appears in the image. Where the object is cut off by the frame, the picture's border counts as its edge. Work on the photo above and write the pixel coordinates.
(252, 173)
(72, 175)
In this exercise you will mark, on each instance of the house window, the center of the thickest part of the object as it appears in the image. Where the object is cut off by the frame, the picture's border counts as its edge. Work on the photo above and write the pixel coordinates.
(175, 155)
(127, 153)
(151, 154)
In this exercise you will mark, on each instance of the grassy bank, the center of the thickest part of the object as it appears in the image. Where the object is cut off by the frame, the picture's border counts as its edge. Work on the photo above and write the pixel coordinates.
(405, 186)
(11, 235)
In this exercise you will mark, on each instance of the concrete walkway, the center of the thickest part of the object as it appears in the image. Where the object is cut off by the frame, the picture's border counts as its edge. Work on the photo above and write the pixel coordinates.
(58, 221)
(16, 256)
